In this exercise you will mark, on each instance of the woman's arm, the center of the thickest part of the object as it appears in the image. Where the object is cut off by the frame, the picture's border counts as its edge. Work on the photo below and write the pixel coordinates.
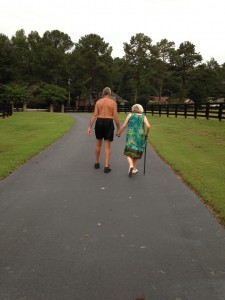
(147, 127)
(124, 125)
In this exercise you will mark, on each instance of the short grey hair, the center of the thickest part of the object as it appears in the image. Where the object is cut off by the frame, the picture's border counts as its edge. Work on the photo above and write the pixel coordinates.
(137, 108)
(106, 91)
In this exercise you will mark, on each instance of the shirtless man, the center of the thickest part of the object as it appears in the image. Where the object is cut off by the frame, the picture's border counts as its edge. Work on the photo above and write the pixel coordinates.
(104, 114)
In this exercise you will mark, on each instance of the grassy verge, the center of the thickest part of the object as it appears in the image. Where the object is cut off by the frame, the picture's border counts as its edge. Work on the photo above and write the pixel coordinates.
(195, 149)
(25, 134)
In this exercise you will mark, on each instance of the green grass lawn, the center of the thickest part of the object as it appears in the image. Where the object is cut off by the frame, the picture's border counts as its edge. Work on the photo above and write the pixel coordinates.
(195, 149)
(25, 134)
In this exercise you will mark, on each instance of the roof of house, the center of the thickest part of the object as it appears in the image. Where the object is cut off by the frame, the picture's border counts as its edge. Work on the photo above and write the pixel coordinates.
(119, 99)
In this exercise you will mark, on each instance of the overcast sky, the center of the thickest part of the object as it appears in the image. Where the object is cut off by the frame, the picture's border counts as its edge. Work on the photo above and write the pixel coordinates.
(200, 22)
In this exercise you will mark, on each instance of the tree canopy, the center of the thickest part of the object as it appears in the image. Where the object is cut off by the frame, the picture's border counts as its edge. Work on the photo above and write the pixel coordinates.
(84, 68)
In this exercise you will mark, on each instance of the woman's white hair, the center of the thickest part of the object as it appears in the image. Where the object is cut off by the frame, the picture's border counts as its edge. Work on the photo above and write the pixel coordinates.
(137, 108)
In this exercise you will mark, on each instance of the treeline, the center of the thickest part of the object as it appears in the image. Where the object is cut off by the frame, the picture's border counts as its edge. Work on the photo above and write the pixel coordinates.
(51, 68)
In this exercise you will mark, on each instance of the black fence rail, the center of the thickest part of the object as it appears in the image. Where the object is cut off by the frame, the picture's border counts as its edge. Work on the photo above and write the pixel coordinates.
(207, 111)
(6, 109)
(83, 108)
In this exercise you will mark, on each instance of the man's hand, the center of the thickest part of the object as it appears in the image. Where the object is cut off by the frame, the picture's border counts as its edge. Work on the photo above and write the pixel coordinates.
(118, 133)
(89, 130)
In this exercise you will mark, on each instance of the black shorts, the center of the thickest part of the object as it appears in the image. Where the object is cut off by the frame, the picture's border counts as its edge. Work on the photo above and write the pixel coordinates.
(104, 129)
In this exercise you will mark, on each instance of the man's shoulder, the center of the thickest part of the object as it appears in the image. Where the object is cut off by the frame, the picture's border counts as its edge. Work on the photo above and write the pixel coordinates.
(106, 99)
(100, 100)
(111, 101)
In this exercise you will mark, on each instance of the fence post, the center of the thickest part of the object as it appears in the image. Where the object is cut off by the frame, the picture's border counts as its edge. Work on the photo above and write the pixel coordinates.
(207, 111)
(145, 108)
(160, 107)
(3, 110)
(152, 109)
(185, 110)
(220, 112)
(176, 105)
(195, 110)
(167, 110)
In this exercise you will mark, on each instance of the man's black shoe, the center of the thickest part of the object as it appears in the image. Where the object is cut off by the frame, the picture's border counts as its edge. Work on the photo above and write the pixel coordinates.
(97, 165)
(107, 170)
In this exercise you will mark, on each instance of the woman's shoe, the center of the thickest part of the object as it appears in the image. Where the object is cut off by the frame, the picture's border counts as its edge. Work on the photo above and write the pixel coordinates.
(97, 165)
(134, 171)
(130, 171)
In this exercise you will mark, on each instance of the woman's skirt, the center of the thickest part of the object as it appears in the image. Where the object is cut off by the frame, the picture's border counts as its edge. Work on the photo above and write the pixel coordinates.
(133, 153)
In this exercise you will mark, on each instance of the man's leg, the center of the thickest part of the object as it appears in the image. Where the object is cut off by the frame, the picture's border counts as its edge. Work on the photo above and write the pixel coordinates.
(98, 146)
(107, 152)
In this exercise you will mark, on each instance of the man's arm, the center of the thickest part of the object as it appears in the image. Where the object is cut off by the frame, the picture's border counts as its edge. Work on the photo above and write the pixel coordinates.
(93, 118)
(115, 117)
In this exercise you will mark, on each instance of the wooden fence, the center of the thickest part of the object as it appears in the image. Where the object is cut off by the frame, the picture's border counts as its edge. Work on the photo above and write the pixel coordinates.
(207, 111)
(6, 109)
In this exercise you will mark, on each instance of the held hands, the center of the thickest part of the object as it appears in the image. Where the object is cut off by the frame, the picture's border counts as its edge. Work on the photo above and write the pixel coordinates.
(118, 133)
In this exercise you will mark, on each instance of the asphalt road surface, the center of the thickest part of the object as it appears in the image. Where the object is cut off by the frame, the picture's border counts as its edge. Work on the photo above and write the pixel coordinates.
(70, 232)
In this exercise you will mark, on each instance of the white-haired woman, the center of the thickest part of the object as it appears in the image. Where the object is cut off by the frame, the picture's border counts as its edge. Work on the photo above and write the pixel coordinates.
(137, 133)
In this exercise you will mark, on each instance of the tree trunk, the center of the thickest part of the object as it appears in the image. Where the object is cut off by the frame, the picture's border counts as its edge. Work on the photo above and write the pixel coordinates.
(136, 95)
(161, 88)
(25, 106)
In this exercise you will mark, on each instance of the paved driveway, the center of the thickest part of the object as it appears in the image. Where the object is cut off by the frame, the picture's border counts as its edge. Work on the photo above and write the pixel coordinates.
(70, 232)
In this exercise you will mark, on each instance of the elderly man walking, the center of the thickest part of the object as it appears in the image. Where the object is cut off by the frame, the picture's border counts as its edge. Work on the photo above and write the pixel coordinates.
(105, 113)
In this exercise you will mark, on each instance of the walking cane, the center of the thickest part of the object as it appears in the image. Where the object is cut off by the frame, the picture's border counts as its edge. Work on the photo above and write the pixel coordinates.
(146, 141)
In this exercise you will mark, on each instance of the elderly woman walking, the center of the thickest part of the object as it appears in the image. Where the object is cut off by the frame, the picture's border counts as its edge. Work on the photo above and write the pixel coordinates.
(137, 133)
